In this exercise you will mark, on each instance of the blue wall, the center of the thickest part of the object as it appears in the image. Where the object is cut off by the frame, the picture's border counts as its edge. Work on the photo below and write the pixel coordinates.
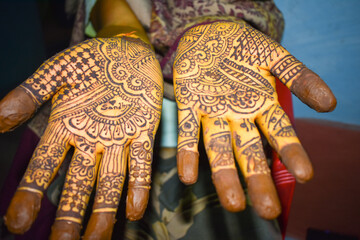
(325, 35)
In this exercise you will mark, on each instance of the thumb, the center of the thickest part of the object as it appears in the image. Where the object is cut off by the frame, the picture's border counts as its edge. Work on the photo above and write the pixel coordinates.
(304, 83)
(313, 91)
(15, 108)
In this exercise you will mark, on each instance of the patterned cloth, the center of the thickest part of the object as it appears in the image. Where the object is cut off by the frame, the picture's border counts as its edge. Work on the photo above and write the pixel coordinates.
(176, 211)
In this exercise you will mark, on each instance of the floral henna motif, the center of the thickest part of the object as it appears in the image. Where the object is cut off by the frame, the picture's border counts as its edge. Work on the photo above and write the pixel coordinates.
(140, 164)
(108, 94)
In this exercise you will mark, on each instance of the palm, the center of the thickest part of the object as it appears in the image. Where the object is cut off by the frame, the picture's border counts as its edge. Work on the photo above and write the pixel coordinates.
(107, 106)
(224, 81)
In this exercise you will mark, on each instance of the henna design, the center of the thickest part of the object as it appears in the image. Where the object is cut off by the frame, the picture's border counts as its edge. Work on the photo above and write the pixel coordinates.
(188, 129)
(276, 119)
(211, 76)
(255, 157)
(247, 125)
(255, 48)
(140, 164)
(220, 144)
(108, 93)
(77, 188)
(287, 68)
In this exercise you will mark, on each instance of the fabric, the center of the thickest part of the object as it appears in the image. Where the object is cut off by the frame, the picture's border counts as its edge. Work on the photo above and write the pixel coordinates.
(176, 211)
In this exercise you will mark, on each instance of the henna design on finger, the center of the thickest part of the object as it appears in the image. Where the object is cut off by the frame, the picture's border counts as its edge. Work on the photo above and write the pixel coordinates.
(255, 157)
(287, 68)
(276, 119)
(78, 185)
(276, 124)
(188, 130)
(220, 146)
(111, 180)
(140, 164)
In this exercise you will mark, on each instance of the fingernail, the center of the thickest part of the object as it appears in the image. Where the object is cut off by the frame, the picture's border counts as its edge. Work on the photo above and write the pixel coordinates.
(297, 162)
(188, 166)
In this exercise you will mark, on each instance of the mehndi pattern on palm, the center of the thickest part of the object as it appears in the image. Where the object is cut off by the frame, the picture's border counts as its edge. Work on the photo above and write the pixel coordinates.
(107, 105)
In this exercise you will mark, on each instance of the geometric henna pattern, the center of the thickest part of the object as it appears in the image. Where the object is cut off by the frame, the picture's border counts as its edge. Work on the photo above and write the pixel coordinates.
(287, 68)
(108, 92)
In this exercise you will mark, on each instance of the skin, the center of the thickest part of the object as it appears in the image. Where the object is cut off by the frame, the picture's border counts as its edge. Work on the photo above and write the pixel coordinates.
(224, 77)
(107, 105)
(132, 116)
(113, 17)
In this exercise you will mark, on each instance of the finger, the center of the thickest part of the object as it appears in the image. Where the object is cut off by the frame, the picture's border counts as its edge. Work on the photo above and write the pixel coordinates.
(187, 150)
(15, 108)
(108, 192)
(217, 139)
(303, 82)
(65, 231)
(42, 168)
(249, 153)
(139, 178)
(276, 126)
(78, 186)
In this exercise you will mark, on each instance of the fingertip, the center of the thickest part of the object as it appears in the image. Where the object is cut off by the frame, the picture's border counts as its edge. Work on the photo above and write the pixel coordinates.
(136, 203)
(65, 230)
(263, 196)
(313, 91)
(188, 166)
(297, 162)
(22, 212)
(229, 190)
(15, 108)
(100, 226)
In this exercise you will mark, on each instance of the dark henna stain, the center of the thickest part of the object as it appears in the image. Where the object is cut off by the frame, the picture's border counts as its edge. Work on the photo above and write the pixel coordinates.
(15, 108)
(100, 226)
(136, 203)
(263, 196)
(313, 91)
(229, 190)
(297, 162)
(22, 212)
(65, 230)
(188, 166)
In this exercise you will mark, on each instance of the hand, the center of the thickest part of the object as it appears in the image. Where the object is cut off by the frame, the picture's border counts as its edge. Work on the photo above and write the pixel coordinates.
(107, 107)
(224, 76)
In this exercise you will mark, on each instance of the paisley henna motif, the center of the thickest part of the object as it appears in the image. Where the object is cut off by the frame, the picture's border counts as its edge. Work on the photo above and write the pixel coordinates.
(108, 98)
